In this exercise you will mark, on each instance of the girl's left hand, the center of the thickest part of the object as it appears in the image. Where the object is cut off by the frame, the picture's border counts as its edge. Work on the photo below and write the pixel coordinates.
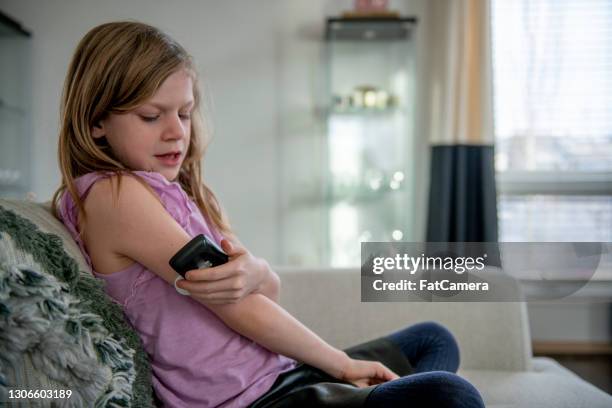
(364, 373)
(230, 282)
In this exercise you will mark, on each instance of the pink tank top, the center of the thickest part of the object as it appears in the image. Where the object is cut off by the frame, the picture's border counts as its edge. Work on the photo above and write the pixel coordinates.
(197, 361)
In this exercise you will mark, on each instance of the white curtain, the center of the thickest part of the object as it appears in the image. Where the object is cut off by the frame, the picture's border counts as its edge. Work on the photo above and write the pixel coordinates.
(460, 72)
(462, 194)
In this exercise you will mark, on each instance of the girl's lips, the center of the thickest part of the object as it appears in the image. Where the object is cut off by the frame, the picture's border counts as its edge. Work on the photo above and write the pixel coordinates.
(171, 159)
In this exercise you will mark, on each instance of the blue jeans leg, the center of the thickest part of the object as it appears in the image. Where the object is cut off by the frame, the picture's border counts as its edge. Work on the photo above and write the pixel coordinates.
(439, 389)
(429, 346)
(434, 355)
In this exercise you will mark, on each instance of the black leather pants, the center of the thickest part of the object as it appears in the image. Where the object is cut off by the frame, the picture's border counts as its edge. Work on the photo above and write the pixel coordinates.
(307, 386)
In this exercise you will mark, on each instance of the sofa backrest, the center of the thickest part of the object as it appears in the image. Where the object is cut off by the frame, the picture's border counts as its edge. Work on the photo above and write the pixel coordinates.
(491, 335)
(40, 215)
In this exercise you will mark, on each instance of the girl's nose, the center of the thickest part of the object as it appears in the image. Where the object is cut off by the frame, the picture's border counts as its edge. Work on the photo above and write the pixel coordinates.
(175, 127)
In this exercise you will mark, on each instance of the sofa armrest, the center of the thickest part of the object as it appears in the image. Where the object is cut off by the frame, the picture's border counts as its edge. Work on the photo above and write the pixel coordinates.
(491, 335)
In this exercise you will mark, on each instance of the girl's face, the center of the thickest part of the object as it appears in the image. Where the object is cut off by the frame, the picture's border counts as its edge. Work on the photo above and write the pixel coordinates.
(143, 138)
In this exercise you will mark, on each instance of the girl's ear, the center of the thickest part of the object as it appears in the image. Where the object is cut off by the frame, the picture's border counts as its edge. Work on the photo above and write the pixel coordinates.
(97, 130)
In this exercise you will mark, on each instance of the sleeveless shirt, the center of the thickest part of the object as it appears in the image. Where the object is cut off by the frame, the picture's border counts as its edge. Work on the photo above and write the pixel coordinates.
(196, 359)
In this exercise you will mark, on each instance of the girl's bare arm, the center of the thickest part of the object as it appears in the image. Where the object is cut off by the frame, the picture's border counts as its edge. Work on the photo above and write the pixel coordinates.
(137, 226)
(271, 326)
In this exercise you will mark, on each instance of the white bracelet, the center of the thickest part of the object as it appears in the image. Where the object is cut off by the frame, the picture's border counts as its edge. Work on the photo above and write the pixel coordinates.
(179, 290)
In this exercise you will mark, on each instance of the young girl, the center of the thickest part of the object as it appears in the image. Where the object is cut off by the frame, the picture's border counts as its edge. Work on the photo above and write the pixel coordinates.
(130, 147)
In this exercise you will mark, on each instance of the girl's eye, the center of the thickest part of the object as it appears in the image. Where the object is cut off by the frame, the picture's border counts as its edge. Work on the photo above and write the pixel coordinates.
(149, 118)
(185, 116)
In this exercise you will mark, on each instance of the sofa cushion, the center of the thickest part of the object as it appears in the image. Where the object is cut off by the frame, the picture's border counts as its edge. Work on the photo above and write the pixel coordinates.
(547, 384)
(56, 301)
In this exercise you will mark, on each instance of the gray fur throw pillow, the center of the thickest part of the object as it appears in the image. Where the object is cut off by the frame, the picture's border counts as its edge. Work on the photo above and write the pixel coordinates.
(55, 329)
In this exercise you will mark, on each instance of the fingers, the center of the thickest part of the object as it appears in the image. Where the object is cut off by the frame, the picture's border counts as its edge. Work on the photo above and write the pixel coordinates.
(212, 296)
(385, 373)
(366, 373)
(390, 376)
(211, 274)
(232, 248)
(361, 383)
(227, 247)
(379, 373)
(221, 271)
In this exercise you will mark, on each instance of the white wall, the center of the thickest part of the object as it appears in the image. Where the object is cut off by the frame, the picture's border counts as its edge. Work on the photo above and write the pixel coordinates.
(258, 61)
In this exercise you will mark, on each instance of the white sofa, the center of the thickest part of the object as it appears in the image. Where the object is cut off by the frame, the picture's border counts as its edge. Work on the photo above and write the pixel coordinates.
(493, 337)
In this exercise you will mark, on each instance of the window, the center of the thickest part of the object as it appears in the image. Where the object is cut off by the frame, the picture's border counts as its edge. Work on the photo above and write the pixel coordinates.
(552, 73)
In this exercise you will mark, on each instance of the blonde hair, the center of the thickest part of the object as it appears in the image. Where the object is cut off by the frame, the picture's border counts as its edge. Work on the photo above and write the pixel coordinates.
(115, 68)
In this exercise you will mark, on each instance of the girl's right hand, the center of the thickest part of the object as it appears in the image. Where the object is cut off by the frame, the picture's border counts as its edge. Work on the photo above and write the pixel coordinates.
(364, 373)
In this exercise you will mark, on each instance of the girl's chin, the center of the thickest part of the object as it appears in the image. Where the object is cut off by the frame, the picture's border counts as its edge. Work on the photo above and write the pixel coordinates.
(169, 175)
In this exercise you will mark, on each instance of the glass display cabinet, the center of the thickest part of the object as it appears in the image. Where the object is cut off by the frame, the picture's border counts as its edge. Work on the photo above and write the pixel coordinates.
(15, 157)
(356, 183)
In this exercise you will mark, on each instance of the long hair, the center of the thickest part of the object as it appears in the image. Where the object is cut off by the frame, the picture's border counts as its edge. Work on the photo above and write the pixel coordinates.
(115, 68)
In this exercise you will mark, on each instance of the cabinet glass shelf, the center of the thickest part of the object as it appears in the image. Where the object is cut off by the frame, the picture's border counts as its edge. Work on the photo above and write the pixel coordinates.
(356, 183)
(348, 195)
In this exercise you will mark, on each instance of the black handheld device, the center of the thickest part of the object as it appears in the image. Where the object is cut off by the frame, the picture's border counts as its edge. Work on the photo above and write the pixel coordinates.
(200, 252)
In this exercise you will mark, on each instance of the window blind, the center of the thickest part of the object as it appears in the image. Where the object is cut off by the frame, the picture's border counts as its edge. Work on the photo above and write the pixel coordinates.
(552, 91)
